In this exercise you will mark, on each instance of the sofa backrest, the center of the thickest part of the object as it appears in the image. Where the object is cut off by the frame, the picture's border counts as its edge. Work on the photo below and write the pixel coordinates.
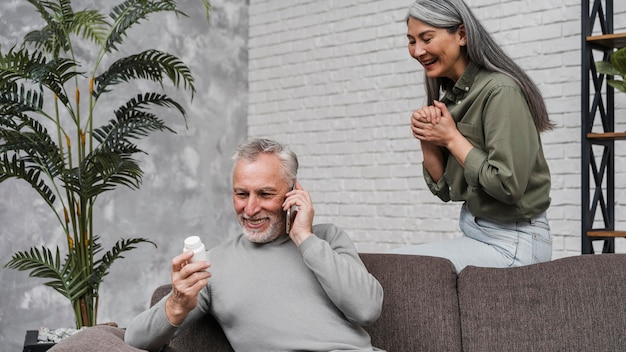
(569, 304)
(420, 307)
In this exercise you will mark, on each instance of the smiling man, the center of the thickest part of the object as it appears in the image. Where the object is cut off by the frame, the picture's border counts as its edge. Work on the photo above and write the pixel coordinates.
(270, 290)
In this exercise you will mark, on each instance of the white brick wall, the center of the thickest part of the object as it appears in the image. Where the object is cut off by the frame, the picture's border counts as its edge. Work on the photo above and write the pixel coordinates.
(333, 79)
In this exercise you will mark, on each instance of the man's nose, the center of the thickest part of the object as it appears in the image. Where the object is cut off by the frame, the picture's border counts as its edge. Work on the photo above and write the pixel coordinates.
(252, 205)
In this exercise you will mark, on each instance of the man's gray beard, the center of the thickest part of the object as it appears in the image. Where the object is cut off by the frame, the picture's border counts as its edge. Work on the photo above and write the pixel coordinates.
(270, 235)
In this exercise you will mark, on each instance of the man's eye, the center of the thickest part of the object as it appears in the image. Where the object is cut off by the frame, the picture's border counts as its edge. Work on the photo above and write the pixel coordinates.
(241, 195)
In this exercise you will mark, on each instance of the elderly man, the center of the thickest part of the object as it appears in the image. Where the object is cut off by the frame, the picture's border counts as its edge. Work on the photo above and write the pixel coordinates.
(275, 287)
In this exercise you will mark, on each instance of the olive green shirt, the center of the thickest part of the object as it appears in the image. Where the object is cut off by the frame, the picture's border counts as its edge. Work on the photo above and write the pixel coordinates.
(506, 177)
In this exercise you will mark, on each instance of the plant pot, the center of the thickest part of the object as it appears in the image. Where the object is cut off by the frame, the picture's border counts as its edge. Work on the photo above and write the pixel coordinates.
(31, 344)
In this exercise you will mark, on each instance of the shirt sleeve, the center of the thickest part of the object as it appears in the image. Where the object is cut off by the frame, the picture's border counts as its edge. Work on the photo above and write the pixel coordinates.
(503, 169)
(331, 255)
(151, 330)
(440, 188)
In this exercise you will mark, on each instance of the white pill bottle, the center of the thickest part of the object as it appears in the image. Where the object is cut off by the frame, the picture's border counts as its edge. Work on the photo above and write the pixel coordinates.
(194, 244)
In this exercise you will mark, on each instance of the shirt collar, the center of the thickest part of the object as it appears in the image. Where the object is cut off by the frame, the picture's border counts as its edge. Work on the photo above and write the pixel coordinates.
(464, 83)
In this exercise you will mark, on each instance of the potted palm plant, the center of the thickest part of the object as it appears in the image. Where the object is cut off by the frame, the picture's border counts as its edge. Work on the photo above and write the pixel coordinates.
(616, 66)
(53, 137)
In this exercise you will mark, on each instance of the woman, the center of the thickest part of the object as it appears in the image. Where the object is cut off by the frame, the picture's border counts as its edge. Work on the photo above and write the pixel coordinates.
(479, 136)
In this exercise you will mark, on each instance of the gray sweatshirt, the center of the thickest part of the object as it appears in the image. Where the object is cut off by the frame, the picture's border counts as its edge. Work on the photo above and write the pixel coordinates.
(279, 297)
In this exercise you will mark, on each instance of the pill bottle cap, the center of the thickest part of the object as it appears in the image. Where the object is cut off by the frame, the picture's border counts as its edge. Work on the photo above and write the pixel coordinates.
(193, 242)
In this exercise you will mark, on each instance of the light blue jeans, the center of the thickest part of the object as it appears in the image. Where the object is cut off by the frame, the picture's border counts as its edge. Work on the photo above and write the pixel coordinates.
(491, 244)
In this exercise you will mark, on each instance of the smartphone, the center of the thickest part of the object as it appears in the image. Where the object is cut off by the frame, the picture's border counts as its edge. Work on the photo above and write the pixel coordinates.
(288, 221)
(288, 216)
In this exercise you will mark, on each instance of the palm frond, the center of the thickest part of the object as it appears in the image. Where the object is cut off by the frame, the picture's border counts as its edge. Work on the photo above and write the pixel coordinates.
(103, 264)
(101, 172)
(17, 64)
(12, 167)
(54, 37)
(41, 6)
(135, 124)
(151, 65)
(61, 22)
(64, 278)
(145, 101)
(207, 8)
(21, 64)
(30, 141)
(16, 100)
(90, 25)
(131, 12)
(54, 74)
(111, 168)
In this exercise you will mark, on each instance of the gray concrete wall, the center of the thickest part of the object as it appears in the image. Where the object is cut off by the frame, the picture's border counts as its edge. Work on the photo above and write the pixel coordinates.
(186, 188)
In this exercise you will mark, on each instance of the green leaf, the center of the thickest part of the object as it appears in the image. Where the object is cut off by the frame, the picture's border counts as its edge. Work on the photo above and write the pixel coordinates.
(123, 245)
(63, 277)
(131, 12)
(12, 167)
(606, 68)
(151, 65)
(619, 85)
(618, 60)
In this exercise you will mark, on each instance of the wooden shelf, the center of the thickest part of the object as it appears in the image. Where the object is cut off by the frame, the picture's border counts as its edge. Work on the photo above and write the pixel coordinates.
(605, 233)
(608, 136)
(615, 41)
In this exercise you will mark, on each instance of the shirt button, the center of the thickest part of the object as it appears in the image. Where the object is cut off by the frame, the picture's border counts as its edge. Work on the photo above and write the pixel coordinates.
(467, 89)
(458, 102)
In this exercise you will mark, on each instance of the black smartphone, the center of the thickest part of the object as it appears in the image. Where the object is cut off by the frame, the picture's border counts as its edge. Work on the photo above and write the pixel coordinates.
(288, 221)
(288, 216)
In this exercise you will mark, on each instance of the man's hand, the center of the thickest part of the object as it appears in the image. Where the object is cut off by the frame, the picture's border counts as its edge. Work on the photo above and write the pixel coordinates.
(187, 281)
(302, 222)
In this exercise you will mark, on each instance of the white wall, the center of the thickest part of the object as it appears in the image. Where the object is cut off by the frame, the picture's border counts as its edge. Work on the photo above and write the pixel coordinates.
(334, 80)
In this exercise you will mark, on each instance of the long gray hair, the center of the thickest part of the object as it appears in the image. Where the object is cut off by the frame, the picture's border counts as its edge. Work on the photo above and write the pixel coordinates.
(252, 148)
(481, 49)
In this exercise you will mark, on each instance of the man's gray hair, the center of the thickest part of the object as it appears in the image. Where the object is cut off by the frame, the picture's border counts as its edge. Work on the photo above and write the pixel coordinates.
(252, 148)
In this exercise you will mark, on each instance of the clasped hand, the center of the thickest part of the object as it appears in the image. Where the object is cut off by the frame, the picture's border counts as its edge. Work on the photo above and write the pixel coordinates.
(434, 124)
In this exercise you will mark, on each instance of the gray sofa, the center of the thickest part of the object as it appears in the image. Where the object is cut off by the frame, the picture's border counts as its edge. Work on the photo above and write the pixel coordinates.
(569, 304)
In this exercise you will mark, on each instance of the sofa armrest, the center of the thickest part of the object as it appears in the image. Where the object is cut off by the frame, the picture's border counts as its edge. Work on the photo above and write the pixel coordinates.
(204, 335)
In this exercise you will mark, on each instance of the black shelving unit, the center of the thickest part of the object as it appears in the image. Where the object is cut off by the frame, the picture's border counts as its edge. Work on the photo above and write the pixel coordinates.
(598, 135)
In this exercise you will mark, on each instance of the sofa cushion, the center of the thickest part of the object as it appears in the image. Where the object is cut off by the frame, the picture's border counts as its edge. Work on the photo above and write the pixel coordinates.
(569, 304)
(420, 306)
(99, 338)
